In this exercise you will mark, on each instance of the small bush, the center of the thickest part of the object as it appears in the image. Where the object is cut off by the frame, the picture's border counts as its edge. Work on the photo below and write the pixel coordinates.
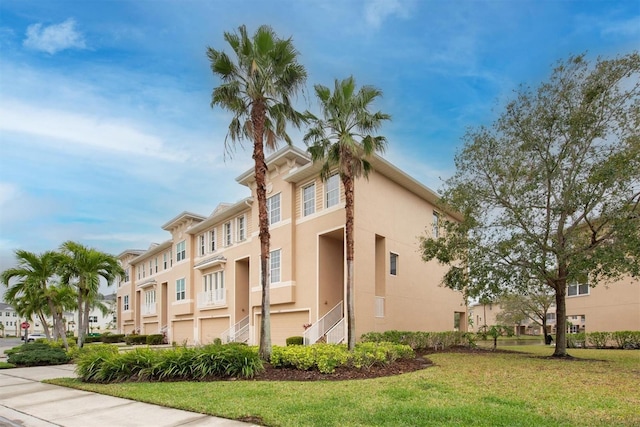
(5, 365)
(421, 340)
(89, 339)
(155, 339)
(38, 354)
(295, 341)
(576, 340)
(112, 338)
(135, 339)
(598, 339)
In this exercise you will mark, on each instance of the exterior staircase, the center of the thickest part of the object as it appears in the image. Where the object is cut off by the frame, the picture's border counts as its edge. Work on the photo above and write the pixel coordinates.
(238, 332)
(329, 328)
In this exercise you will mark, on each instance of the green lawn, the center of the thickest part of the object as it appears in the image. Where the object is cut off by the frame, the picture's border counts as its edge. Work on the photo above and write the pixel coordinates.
(515, 389)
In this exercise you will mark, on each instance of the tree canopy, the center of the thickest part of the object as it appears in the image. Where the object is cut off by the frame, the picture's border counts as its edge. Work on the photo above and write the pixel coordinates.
(550, 192)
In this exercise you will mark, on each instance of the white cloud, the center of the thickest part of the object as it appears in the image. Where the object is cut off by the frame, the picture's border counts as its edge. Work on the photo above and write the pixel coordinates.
(376, 11)
(626, 28)
(93, 132)
(54, 38)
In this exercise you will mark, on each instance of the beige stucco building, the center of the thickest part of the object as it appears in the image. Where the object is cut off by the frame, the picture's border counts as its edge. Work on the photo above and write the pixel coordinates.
(203, 283)
(607, 307)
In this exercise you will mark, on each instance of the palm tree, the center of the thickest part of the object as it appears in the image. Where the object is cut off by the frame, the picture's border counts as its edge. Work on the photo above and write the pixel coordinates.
(28, 292)
(84, 267)
(257, 88)
(343, 139)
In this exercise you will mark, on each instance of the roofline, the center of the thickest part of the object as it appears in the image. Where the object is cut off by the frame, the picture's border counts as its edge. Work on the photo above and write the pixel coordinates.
(230, 211)
(134, 252)
(182, 216)
(152, 251)
(290, 151)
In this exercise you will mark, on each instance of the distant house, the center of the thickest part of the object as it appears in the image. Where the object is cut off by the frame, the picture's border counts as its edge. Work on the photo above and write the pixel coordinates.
(203, 283)
(604, 308)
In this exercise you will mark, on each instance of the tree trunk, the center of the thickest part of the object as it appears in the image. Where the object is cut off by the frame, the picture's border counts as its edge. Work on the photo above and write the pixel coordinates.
(561, 319)
(45, 326)
(348, 184)
(80, 317)
(258, 113)
(544, 328)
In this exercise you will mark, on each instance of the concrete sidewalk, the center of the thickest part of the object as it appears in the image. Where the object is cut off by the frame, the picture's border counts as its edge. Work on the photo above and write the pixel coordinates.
(26, 402)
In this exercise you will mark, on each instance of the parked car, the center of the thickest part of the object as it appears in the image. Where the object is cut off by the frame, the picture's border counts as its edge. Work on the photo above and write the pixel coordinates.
(33, 337)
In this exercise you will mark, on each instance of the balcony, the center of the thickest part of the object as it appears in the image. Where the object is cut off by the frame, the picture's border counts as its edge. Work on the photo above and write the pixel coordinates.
(216, 298)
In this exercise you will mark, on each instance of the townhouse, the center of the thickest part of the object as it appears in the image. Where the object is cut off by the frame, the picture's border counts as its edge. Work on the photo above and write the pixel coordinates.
(203, 282)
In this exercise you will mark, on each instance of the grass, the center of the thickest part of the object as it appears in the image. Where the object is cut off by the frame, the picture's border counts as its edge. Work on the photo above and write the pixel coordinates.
(522, 388)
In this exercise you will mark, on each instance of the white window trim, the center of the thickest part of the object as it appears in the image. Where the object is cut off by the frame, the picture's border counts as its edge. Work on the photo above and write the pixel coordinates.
(227, 233)
(182, 251)
(184, 290)
(279, 196)
(213, 240)
(242, 238)
(271, 281)
(326, 192)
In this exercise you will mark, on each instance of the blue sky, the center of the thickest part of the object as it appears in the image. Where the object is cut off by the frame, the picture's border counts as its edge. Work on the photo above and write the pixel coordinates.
(106, 131)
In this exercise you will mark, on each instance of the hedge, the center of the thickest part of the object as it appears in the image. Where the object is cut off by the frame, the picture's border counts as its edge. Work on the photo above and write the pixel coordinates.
(422, 340)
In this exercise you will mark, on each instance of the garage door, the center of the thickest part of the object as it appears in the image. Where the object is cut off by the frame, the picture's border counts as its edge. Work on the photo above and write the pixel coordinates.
(285, 325)
(210, 329)
(181, 331)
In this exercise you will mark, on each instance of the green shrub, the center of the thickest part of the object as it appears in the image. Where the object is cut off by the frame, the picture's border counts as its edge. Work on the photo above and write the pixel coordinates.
(626, 339)
(112, 338)
(598, 339)
(90, 339)
(421, 340)
(327, 357)
(38, 354)
(180, 363)
(576, 340)
(90, 359)
(135, 339)
(295, 341)
(155, 339)
(5, 365)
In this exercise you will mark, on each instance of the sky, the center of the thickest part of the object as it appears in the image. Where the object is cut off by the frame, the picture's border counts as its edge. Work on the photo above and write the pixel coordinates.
(106, 128)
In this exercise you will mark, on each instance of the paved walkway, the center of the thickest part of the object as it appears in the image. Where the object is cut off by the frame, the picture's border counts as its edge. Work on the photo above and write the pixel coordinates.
(26, 402)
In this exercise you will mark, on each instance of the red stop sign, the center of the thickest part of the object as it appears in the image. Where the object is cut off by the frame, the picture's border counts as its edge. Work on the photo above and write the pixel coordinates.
(25, 325)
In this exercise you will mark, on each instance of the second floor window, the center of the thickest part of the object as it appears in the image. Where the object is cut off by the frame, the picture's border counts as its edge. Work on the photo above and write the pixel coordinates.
(126, 274)
(125, 303)
(212, 240)
(241, 227)
(165, 265)
(436, 225)
(228, 237)
(332, 191)
(577, 289)
(202, 244)
(308, 199)
(393, 264)
(274, 266)
(181, 292)
(273, 208)
(181, 251)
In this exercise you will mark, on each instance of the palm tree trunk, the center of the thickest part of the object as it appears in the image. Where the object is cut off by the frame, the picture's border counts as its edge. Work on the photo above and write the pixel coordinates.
(45, 326)
(260, 167)
(80, 318)
(348, 184)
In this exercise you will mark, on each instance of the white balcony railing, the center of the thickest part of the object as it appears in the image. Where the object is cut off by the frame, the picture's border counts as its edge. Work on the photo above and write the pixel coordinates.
(324, 324)
(213, 297)
(379, 306)
(149, 308)
(335, 335)
(238, 332)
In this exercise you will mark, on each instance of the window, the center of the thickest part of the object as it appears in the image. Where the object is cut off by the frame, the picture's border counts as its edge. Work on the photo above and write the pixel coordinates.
(156, 264)
(202, 244)
(227, 234)
(181, 251)
(309, 199)
(125, 303)
(93, 319)
(164, 260)
(436, 225)
(150, 269)
(551, 317)
(274, 266)
(214, 287)
(273, 208)
(578, 289)
(332, 191)
(212, 240)
(181, 292)
(149, 302)
(139, 272)
(126, 274)
(240, 225)
(393, 264)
